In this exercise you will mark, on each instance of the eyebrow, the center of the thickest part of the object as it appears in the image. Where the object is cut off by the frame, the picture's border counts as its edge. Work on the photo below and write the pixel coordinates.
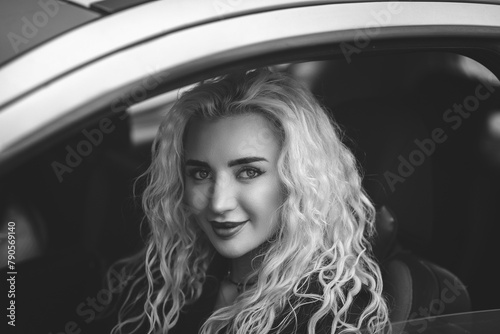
(245, 160)
(241, 161)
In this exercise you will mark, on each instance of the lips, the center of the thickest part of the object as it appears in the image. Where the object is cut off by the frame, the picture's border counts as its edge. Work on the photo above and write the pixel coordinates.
(227, 229)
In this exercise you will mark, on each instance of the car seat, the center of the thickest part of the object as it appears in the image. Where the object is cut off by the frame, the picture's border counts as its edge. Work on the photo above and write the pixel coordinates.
(382, 134)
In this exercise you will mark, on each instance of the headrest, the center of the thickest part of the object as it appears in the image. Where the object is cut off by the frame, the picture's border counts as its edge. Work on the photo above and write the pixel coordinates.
(385, 243)
(391, 143)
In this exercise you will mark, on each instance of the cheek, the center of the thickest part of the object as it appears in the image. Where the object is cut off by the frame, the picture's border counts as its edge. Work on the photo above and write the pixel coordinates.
(265, 201)
(196, 197)
(195, 202)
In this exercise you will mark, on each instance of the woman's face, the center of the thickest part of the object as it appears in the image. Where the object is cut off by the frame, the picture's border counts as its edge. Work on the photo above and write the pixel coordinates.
(231, 181)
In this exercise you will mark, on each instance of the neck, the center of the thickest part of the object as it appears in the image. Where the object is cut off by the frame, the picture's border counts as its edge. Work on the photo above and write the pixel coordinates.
(245, 265)
(241, 268)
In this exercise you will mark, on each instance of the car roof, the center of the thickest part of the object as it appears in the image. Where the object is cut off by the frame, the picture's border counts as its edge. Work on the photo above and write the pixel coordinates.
(72, 45)
(109, 32)
(28, 23)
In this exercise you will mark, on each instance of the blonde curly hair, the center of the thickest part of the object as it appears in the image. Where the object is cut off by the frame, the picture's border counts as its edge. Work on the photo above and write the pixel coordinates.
(324, 231)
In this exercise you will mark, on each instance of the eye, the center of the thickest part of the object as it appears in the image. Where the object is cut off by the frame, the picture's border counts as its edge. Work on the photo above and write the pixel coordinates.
(247, 173)
(199, 174)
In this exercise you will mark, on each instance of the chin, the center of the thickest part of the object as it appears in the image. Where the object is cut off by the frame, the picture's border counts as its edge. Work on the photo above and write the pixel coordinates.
(231, 249)
(230, 252)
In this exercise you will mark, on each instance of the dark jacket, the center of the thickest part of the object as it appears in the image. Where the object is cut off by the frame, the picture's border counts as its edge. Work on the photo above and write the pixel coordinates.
(193, 316)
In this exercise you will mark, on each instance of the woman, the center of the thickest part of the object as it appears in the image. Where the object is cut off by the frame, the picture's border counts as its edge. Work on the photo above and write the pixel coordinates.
(258, 220)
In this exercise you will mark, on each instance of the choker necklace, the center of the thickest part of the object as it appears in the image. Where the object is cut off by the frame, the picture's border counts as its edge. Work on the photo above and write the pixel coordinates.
(240, 287)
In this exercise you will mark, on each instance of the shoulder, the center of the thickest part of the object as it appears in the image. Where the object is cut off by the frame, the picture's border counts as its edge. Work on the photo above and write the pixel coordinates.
(300, 308)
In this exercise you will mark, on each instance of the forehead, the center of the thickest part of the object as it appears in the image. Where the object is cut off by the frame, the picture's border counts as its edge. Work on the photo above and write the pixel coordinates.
(235, 136)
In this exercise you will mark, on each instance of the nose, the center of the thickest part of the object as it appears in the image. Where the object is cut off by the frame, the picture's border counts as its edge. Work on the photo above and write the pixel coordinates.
(223, 197)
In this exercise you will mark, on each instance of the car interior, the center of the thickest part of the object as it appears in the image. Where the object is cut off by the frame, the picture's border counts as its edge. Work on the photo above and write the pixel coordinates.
(431, 169)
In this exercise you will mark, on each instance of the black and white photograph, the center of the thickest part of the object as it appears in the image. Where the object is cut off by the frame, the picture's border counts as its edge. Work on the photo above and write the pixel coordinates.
(250, 166)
